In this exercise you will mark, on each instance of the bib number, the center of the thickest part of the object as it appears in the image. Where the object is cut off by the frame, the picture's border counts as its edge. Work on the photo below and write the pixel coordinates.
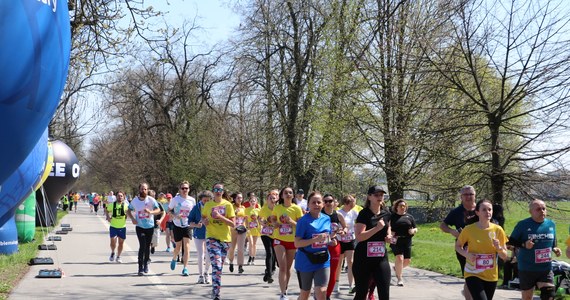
(143, 215)
(184, 213)
(285, 229)
(319, 245)
(252, 224)
(484, 261)
(267, 230)
(240, 220)
(376, 249)
(220, 210)
(542, 255)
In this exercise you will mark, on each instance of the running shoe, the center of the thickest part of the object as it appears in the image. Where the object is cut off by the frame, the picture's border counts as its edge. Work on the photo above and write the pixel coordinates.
(240, 269)
(140, 273)
(231, 267)
(168, 249)
(206, 278)
(145, 270)
(200, 280)
(400, 282)
(112, 257)
(337, 287)
(119, 260)
(283, 297)
(172, 265)
(152, 250)
(351, 290)
(184, 272)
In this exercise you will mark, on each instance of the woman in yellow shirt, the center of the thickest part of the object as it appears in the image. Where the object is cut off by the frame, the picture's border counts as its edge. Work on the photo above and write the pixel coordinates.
(284, 219)
(253, 228)
(238, 233)
(267, 231)
(485, 241)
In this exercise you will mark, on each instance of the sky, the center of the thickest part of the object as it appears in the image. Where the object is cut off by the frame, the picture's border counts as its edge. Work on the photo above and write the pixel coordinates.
(214, 16)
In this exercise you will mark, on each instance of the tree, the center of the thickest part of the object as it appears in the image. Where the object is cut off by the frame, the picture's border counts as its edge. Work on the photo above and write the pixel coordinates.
(510, 60)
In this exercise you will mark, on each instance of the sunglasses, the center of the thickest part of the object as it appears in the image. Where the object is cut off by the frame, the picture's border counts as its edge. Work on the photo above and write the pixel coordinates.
(217, 190)
(329, 201)
(184, 188)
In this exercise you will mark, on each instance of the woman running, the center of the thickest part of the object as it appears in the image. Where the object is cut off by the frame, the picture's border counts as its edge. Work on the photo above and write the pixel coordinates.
(347, 240)
(338, 227)
(403, 229)
(253, 228)
(267, 232)
(238, 233)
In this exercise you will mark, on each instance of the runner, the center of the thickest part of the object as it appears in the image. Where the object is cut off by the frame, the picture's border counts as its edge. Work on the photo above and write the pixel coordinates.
(117, 217)
(284, 218)
(312, 260)
(338, 227)
(195, 221)
(347, 240)
(536, 237)
(144, 208)
(267, 232)
(485, 240)
(238, 233)
(403, 229)
(218, 216)
(372, 230)
(168, 235)
(460, 216)
(179, 210)
(253, 228)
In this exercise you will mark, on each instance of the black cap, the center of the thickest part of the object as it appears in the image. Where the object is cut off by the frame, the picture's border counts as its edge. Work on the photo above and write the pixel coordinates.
(375, 189)
(300, 191)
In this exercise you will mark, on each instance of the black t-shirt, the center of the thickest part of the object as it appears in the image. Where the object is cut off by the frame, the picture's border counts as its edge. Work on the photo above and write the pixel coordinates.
(460, 217)
(368, 218)
(401, 224)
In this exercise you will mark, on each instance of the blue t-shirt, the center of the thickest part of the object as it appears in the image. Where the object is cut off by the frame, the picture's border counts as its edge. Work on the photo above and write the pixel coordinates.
(307, 226)
(539, 258)
(196, 216)
(460, 217)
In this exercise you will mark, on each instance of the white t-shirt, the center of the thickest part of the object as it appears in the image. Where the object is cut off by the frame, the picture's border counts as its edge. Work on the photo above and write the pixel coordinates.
(302, 203)
(181, 208)
(349, 219)
(137, 206)
(111, 199)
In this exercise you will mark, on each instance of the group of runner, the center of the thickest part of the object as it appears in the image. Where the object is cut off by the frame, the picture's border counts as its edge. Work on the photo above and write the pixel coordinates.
(480, 242)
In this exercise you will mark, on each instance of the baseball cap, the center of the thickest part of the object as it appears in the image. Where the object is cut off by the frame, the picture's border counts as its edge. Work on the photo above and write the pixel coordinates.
(168, 196)
(300, 191)
(376, 189)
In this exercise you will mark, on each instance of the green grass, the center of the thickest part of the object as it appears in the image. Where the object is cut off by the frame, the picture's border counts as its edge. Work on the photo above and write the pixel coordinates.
(434, 250)
(14, 267)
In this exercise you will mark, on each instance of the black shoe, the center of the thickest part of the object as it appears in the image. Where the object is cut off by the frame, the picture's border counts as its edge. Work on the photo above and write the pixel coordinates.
(269, 279)
(265, 277)
(145, 270)
(232, 268)
(140, 273)
(151, 250)
(240, 269)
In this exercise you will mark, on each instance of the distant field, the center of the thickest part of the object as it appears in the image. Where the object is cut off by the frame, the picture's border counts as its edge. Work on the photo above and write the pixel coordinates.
(434, 250)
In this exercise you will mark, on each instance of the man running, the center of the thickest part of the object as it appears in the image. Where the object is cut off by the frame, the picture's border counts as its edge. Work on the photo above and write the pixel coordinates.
(117, 216)
(536, 239)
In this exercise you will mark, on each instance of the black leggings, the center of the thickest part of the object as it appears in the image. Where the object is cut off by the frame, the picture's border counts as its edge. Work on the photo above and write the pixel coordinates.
(145, 238)
(270, 254)
(378, 269)
(480, 289)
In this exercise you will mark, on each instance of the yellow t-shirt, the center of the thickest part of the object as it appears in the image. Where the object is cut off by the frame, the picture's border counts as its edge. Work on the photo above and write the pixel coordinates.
(265, 213)
(356, 208)
(120, 221)
(253, 226)
(286, 232)
(480, 243)
(241, 217)
(217, 229)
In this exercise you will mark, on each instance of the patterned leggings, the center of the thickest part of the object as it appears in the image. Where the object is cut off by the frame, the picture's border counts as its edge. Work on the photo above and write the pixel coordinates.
(217, 251)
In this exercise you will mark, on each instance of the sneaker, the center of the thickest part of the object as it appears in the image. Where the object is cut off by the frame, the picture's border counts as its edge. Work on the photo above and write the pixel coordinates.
(240, 269)
(283, 297)
(253, 261)
(112, 257)
(168, 249)
(206, 278)
(400, 282)
(351, 290)
(151, 250)
(119, 260)
(200, 280)
(265, 277)
(140, 273)
(249, 261)
(172, 265)
(145, 270)
(231, 267)
(270, 279)
(337, 288)
(184, 272)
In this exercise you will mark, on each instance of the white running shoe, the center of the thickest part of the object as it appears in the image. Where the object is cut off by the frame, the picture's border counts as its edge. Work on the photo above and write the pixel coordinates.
(283, 297)
(206, 278)
(400, 282)
(119, 260)
(112, 257)
(200, 280)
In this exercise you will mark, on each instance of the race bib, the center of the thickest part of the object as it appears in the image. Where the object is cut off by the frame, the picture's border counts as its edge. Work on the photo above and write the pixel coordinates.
(346, 238)
(285, 229)
(143, 215)
(240, 220)
(267, 230)
(319, 245)
(335, 227)
(542, 255)
(252, 224)
(484, 261)
(219, 209)
(184, 213)
(375, 249)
